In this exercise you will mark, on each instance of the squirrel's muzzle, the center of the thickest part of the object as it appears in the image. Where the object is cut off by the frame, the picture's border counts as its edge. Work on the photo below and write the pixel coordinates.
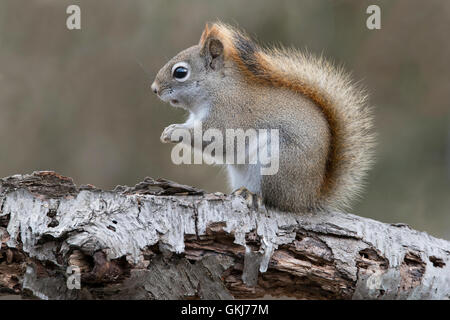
(155, 87)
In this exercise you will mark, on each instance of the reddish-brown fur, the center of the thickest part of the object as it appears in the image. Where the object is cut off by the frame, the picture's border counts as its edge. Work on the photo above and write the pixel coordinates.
(269, 76)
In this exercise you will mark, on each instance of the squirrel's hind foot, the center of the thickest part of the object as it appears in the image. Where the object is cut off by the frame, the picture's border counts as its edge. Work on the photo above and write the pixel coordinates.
(253, 200)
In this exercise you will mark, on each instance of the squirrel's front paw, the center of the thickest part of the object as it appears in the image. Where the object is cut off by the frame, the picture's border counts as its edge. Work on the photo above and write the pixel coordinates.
(253, 200)
(166, 136)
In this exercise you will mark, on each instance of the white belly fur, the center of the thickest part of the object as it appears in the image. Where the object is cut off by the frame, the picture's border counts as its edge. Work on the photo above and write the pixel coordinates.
(248, 176)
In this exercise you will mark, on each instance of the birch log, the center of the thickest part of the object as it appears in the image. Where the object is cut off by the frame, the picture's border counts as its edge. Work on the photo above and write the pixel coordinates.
(163, 240)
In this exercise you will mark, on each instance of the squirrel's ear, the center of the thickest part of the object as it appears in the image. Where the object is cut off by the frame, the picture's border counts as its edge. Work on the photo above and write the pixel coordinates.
(212, 51)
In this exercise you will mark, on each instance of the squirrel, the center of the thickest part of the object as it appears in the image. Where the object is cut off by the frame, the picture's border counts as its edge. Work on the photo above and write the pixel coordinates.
(325, 123)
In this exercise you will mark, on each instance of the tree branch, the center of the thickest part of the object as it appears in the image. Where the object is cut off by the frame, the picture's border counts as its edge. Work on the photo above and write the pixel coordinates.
(162, 240)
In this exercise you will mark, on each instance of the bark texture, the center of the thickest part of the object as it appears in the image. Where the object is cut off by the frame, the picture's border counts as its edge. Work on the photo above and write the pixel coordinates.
(163, 240)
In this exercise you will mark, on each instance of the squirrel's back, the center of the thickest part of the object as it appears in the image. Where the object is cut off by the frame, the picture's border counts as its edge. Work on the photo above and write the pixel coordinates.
(342, 103)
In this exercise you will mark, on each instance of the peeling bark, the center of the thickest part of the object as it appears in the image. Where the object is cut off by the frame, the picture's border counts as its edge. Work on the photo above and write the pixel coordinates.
(163, 240)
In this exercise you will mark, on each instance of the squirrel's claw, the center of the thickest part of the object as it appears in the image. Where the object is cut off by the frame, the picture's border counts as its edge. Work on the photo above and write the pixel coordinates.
(253, 200)
(166, 136)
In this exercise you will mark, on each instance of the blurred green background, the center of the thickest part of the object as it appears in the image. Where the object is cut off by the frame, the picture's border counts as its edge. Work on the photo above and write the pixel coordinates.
(79, 102)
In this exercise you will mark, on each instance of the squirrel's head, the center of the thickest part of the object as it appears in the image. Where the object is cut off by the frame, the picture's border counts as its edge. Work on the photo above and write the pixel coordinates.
(185, 80)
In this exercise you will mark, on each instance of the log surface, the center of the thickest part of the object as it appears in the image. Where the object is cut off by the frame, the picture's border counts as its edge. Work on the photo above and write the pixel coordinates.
(163, 240)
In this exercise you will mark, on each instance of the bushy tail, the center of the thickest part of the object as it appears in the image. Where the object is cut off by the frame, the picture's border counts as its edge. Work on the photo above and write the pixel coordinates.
(344, 105)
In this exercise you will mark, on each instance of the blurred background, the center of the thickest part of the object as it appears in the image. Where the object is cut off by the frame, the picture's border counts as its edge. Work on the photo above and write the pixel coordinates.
(79, 102)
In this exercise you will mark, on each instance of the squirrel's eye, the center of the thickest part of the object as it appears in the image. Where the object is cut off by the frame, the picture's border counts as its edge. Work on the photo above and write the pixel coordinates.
(180, 71)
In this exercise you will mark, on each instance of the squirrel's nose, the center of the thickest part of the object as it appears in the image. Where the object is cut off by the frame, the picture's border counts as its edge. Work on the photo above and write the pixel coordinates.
(155, 87)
